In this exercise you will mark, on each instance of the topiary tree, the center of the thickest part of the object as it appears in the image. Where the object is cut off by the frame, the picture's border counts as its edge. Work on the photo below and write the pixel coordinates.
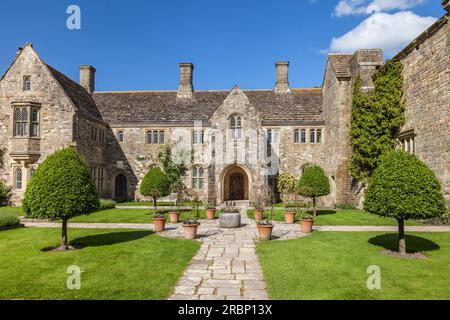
(286, 184)
(404, 188)
(155, 184)
(5, 193)
(313, 184)
(61, 188)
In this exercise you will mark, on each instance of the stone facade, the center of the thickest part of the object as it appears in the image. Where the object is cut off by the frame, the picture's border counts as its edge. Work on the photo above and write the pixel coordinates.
(234, 142)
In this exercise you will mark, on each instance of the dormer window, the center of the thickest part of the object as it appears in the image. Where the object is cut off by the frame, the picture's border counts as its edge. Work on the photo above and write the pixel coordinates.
(27, 83)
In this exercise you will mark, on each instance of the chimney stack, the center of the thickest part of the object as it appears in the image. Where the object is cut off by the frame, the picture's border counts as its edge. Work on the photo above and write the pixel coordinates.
(446, 5)
(185, 89)
(87, 78)
(282, 84)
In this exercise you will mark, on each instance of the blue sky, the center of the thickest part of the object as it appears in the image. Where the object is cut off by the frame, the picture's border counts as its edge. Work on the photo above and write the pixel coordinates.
(137, 44)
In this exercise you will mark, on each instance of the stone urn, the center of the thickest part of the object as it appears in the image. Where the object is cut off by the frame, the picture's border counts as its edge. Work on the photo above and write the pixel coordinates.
(230, 220)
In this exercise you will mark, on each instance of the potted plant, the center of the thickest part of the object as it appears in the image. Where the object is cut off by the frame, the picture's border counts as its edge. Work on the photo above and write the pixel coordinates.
(306, 222)
(286, 185)
(190, 226)
(180, 189)
(156, 184)
(259, 209)
(210, 211)
(230, 216)
(265, 226)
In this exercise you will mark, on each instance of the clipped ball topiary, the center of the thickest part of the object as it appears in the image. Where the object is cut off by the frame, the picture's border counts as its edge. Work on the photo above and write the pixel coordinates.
(313, 184)
(404, 188)
(61, 188)
(155, 184)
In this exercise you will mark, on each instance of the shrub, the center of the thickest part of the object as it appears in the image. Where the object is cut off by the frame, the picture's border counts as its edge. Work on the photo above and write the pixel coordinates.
(5, 192)
(286, 185)
(61, 188)
(106, 204)
(155, 184)
(8, 220)
(404, 188)
(313, 184)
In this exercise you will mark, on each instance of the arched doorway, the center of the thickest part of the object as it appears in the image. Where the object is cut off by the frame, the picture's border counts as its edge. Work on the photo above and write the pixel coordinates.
(235, 184)
(120, 190)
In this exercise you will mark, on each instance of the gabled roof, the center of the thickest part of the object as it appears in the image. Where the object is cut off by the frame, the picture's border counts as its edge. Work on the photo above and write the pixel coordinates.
(164, 107)
(340, 62)
(79, 96)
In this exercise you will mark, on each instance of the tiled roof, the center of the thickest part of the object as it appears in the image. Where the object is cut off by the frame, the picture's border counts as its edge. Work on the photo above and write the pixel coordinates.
(82, 100)
(163, 106)
(341, 64)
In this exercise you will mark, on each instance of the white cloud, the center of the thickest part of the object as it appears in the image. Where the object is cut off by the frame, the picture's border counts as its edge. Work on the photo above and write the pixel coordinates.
(390, 32)
(357, 7)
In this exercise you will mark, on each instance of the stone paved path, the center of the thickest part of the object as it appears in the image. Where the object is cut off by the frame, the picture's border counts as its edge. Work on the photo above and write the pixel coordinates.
(226, 266)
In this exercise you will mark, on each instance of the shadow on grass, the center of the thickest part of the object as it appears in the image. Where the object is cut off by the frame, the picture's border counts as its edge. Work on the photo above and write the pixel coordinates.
(413, 243)
(107, 239)
(322, 212)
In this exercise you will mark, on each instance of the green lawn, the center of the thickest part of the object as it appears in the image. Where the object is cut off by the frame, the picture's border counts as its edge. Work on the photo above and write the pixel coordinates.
(128, 216)
(149, 203)
(342, 218)
(330, 265)
(115, 264)
(12, 210)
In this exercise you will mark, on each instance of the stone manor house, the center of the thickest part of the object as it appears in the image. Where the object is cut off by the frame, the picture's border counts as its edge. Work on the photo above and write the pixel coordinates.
(234, 142)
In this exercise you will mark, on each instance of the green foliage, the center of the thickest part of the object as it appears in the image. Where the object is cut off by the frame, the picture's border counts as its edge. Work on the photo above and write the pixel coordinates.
(106, 204)
(8, 220)
(61, 188)
(403, 187)
(174, 170)
(5, 192)
(313, 183)
(286, 184)
(376, 119)
(155, 184)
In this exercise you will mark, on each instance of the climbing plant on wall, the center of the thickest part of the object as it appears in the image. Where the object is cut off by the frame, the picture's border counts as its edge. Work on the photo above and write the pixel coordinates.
(376, 119)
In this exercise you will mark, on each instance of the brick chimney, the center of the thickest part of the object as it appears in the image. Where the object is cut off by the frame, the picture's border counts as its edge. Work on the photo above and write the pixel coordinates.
(87, 78)
(185, 88)
(446, 5)
(282, 84)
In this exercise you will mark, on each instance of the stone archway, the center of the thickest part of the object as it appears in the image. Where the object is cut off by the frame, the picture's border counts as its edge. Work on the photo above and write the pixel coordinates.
(235, 183)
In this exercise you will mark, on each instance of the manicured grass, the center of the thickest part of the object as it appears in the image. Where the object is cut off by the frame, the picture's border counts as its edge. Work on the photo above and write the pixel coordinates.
(149, 203)
(115, 264)
(341, 218)
(334, 266)
(128, 216)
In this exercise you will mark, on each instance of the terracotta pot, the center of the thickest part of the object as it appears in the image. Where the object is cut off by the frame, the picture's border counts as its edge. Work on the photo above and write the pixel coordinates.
(174, 216)
(210, 214)
(289, 217)
(265, 231)
(306, 225)
(259, 215)
(160, 224)
(190, 231)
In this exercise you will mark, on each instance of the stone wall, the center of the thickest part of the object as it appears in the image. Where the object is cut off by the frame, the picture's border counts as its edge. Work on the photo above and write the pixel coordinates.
(427, 95)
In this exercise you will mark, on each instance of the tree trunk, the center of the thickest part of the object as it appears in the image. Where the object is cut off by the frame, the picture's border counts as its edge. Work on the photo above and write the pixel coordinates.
(314, 207)
(155, 205)
(64, 240)
(401, 236)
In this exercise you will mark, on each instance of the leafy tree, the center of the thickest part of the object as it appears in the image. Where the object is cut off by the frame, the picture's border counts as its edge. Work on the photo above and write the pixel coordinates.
(61, 188)
(404, 188)
(286, 184)
(5, 192)
(376, 119)
(313, 184)
(155, 184)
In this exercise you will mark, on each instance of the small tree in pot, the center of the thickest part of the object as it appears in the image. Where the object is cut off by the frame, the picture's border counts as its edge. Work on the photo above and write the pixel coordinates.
(265, 226)
(404, 188)
(156, 184)
(190, 226)
(313, 184)
(61, 188)
(287, 185)
(259, 207)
